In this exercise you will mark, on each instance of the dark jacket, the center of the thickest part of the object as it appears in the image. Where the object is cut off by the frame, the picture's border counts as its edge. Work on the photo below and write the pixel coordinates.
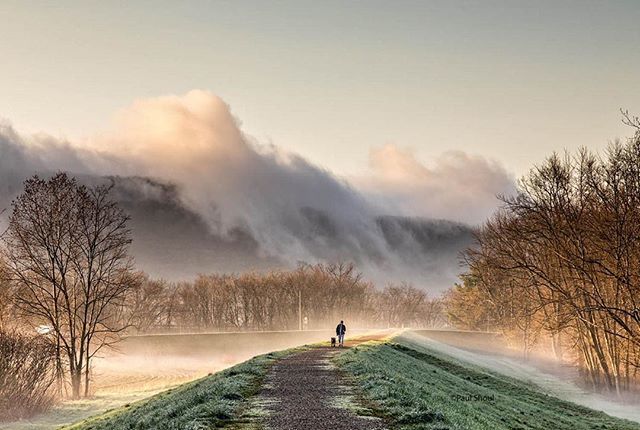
(341, 329)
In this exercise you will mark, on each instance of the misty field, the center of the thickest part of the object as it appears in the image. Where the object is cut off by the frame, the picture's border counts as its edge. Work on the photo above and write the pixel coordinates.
(144, 366)
(208, 402)
(157, 361)
(411, 381)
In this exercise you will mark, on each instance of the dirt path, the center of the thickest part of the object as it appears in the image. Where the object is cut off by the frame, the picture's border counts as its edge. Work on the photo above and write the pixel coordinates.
(305, 391)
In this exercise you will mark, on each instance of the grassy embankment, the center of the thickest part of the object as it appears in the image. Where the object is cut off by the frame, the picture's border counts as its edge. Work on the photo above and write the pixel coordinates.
(214, 401)
(412, 386)
(417, 388)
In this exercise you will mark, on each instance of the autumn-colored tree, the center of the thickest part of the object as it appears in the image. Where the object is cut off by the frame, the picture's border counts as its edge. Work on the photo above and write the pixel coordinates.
(562, 258)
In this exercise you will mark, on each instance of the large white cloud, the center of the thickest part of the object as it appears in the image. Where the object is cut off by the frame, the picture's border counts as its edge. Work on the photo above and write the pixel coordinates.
(195, 142)
(291, 208)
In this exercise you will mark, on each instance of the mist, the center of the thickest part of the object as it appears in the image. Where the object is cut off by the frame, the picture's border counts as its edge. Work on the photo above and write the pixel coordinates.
(153, 362)
(204, 196)
(492, 352)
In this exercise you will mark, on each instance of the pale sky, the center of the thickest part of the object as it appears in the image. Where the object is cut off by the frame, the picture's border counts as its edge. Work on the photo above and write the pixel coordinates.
(512, 81)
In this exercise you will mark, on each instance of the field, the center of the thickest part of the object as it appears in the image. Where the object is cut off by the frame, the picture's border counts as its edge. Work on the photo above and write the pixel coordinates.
(156, 361)
(410, 381)
(205, 403)
(146, 365)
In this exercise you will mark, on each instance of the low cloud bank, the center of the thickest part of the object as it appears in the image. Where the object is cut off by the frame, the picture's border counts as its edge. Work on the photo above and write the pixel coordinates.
(204, 196)
(458, 186)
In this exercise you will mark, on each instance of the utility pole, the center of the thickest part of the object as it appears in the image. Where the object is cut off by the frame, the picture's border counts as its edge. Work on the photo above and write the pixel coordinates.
(300, 310)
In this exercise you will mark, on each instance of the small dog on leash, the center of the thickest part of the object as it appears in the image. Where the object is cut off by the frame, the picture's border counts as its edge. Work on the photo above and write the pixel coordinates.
(333, 342)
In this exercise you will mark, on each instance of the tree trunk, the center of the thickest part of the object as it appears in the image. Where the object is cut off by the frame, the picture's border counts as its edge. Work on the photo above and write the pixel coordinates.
(86, 374)
(76, 383)
(556, 346)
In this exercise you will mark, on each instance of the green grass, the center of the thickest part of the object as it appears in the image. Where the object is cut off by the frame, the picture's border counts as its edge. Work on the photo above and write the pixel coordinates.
(212, 402)
(410, 385)
(423, 389)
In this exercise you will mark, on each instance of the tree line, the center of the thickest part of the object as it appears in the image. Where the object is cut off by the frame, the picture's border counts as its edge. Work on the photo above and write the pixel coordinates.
(560, 262)
(326, 293)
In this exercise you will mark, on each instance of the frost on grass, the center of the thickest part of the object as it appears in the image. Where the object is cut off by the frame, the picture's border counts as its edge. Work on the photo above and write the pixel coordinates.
(422, 390)
(210, 402)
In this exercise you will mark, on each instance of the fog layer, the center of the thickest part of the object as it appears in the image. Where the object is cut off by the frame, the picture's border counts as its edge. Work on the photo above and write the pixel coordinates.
(204, 196)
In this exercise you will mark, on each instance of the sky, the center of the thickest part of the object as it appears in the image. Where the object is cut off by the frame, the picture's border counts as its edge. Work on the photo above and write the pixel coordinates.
(336, 81)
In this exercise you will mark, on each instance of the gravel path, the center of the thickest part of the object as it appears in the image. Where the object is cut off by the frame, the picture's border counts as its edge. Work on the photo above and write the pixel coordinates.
(305, 391)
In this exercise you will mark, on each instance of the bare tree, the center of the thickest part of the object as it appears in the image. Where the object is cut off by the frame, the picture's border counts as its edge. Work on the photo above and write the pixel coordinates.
(6, 302)
(269, 301)
(67, 253)
(27, 374)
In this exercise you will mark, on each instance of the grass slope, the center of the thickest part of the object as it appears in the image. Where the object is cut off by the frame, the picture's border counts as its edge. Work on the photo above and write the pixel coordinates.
(423, 389)
(212, 402)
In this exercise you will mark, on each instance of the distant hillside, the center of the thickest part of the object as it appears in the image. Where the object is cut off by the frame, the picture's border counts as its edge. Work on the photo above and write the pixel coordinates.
(173, 241)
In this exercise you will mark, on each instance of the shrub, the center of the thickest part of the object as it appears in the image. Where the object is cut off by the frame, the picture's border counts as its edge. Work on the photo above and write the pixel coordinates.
(27, 374)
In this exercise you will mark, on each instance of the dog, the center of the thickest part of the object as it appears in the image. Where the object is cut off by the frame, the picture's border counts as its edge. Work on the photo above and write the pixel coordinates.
(333, 342)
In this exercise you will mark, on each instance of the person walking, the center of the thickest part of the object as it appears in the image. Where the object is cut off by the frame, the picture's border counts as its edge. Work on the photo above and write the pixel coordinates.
(341, 329)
